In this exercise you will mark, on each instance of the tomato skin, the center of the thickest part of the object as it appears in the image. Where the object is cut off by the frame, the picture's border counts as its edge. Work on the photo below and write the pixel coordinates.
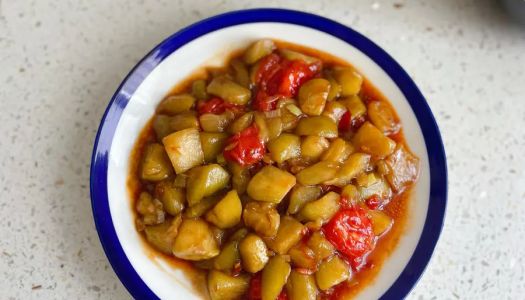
(268, 66)
(373, 202)
(245, 147)
(217, 106)
(344, 123)
(278, 78)
(254, 291)
(350, 231)
(290, 77)
(265, 102)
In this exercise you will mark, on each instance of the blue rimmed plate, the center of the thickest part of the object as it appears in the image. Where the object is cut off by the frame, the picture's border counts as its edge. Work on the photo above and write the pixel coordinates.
(206, 43)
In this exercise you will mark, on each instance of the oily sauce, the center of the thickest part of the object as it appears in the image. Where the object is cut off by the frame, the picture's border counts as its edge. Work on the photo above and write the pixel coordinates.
(397, 208)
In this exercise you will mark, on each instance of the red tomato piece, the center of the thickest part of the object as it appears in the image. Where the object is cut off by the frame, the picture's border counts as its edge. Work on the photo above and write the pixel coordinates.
(254, 291)
(268, 66)
(277, 78)
(264, 102)
(217, 106)
(373, 202)
(344, 123)
(290, 77)
(245, 147)
(350, 231)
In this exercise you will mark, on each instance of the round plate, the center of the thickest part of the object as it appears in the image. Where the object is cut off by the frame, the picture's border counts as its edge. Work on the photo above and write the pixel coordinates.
(136, 98)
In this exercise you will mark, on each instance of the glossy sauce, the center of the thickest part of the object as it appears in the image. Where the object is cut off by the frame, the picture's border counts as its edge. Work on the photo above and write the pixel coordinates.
(397, 208)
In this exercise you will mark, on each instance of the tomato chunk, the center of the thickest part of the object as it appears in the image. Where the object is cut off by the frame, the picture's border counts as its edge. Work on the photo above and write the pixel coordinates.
(290, 77)
(350, 231)
(217, 106)
(277, 78)
(254, 292)
(245, 147)
(373, 202)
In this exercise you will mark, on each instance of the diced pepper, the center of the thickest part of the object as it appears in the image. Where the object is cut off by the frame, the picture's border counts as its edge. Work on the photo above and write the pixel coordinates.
(205, 181)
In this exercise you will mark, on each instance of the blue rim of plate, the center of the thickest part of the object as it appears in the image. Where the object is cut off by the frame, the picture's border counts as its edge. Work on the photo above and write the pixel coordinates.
(435, 150)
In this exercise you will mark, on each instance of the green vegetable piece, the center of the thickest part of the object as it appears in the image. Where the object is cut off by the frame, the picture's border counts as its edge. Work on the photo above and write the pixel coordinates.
(301, 287)
(353, 166)
(317, 125)
(312, 147)
(290, 233)
(338, 151)
(195, 241)
(162, 236)
(253, 253)
(216, 123)
(312, 96)
(379, 188)
(334, 110)
(161, 126)
(240, 72)
(202, 207)
(371, 140)
(355, 106)
(335, 89)
(284, 147)
(225, 287)
(240, 177)
(241, 123)
(205, 181)
(322, 209)
(301, 195)
(258, 50)
(303, 257)
(172, 198)
(156, 165)
(318, 173)
(349, 80)
(274, 277)
(332, 272)
(184, 120)
(226, 213)
(176, 104)
(262, 217)
(229, 90)
(212, 144)
(381, 222)
(270, 184)
(294, 55)
(351, 193)
(321, 247)
(198, 89)
(184, 149)
(275, 127)
(228, 257)
(383, 117)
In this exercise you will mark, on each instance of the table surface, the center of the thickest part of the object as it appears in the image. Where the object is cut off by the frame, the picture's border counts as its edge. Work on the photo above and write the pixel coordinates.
(60, 62)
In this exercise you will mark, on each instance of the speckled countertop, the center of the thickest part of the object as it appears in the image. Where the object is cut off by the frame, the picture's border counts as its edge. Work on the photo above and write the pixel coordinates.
(60, 62)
